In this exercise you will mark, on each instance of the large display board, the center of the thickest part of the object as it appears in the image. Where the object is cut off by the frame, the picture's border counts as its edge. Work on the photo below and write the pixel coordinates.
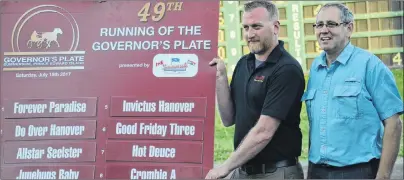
(107, 89)
(378, 28)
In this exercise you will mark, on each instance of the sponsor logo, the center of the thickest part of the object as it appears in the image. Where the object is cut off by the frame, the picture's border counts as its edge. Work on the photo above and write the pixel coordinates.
(175, 65)
(259, 78)
(45, 37)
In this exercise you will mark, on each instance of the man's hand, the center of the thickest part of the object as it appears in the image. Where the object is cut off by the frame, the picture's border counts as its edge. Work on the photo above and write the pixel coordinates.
(218, 173)
(223, 94)
(220, 67)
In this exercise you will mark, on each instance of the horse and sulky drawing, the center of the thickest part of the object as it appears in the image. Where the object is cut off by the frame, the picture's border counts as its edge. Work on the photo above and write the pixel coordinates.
(44, 38)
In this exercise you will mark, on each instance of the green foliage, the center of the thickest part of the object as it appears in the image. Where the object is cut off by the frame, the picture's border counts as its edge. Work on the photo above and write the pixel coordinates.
(224, 136)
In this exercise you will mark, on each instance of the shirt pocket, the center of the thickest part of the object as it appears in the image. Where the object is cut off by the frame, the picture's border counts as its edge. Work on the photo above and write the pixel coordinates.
(346, 100)
(308, 97)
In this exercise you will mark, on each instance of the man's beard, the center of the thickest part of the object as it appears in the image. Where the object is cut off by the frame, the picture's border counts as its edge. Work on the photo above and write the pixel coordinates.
(259, 47)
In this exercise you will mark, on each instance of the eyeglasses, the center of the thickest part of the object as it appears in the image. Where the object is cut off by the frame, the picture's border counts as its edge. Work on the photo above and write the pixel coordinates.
(329, 25)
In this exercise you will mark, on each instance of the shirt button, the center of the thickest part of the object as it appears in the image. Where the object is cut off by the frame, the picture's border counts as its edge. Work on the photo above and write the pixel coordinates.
(322, 129)
(325, 92)
(323, 110)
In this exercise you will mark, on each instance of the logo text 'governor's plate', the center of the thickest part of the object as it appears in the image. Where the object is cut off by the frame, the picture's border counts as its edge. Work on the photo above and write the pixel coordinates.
(38, 45)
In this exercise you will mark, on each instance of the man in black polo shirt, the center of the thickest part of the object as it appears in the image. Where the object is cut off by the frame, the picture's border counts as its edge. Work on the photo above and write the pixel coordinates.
(263, 101)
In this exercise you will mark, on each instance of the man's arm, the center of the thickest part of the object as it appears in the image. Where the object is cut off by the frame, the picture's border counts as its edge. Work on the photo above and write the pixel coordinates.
(386, 99)
(224, 100)
(284, 91)
(391, 146)
(258, 137)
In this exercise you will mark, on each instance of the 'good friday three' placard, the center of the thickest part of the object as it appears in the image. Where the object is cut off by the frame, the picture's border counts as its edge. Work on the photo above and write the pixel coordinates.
(107, 90)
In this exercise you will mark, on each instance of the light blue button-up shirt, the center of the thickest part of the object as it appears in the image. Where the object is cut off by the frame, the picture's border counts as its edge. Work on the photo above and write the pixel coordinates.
(346, 104)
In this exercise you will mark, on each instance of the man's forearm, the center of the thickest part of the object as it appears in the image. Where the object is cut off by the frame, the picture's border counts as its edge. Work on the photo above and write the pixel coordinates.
(391, 146)
(252, 144)
(224, 101)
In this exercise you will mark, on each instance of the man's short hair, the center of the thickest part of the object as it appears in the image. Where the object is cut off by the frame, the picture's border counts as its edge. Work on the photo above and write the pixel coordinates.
(269, 6)
(346, 14)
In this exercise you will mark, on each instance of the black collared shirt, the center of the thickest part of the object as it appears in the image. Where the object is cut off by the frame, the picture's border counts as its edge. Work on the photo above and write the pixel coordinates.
(274, 89)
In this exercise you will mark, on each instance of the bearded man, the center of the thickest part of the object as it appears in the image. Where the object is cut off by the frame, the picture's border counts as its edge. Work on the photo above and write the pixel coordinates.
(262, 101)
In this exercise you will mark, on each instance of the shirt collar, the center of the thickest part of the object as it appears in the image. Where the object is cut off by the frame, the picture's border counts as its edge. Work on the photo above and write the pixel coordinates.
(342, 58)
(273, 57)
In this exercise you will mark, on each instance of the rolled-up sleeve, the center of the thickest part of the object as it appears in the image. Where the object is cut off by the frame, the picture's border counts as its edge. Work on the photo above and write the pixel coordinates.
(383, 89)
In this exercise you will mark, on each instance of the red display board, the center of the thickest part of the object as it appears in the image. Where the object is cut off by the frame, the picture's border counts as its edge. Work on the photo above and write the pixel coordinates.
(107, 89)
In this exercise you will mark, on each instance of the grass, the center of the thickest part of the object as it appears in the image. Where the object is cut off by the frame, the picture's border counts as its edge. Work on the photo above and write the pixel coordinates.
(224, 136)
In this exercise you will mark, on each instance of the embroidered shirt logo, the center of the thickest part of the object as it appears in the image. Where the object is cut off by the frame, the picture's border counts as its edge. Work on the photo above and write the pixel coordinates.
(259, 78)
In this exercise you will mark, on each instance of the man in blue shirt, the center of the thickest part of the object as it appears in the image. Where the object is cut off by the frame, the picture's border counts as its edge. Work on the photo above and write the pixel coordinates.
(353, 105)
